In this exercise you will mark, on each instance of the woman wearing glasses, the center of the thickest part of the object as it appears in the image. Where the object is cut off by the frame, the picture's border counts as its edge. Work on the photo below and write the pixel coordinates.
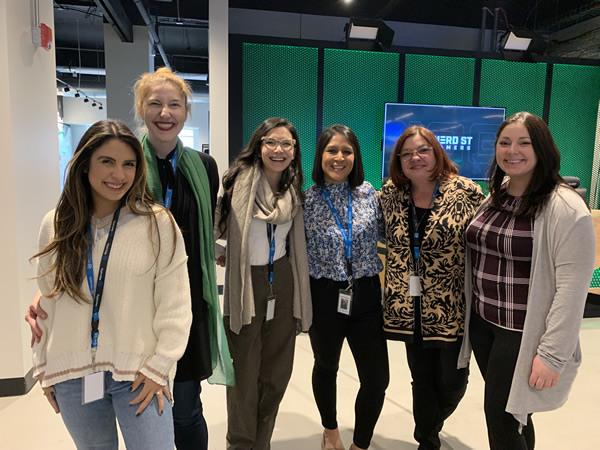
(343, 223)
(266, 280)
(426, 207)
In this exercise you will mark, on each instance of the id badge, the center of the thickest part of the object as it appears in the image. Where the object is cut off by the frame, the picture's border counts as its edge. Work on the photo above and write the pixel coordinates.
(270, 308)
(414, 287)
(345, 302)
(93, 388)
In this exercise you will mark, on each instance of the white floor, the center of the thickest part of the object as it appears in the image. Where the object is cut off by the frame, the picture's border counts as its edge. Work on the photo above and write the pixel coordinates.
(28, 422)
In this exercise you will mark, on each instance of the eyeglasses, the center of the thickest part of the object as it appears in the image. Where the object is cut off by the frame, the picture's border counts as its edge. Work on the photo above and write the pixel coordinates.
(420, 152)
(272, 143)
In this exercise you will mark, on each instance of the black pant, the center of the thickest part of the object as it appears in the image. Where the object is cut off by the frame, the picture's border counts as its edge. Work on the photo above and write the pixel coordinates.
(496, 350)
(437, 388)
(364, 331)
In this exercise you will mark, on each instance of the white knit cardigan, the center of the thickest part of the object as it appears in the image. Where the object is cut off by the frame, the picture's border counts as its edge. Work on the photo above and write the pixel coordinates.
(145, 315)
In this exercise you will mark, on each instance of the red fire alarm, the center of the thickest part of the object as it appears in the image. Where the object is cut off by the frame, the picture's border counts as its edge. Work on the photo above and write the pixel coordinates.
(46, 33)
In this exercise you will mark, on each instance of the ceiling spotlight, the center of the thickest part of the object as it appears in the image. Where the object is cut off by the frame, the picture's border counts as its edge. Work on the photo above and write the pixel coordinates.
(520, 45)
(85, 100)
(77, 94)
(93, 104)
(100, 107)
(66, 89)
(368, 34)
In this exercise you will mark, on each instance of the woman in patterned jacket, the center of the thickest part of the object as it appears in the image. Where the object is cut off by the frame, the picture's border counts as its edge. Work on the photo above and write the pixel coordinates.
(344, 279)
(426, 207)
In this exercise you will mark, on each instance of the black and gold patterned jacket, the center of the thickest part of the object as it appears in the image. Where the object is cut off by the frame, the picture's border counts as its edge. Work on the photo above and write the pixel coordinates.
(441, 262)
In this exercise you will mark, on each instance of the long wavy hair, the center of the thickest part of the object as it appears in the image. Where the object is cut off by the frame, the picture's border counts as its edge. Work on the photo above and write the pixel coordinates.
(72, 216)
(357, 174)
(444, 167)
(545, 175)
(291, 178)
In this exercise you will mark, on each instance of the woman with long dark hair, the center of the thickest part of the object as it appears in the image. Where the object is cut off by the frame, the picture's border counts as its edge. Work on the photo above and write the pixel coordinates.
(529, 266)
(267, 294)
(113, 277)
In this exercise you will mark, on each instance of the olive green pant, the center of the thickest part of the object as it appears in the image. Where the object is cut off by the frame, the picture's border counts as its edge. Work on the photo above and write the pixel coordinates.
(263, 356)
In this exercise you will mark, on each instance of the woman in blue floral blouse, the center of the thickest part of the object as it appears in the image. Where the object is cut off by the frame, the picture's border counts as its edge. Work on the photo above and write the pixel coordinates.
(344, 279)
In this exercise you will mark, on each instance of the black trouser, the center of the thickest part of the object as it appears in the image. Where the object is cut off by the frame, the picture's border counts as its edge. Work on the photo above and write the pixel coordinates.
(496, 350)
(364, 331)
(437, 388)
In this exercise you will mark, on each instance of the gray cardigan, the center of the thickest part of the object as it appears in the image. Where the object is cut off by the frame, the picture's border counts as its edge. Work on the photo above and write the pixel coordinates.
(561, 272)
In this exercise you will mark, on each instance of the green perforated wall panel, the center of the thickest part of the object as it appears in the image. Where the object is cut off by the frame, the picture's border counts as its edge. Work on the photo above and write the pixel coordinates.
(439, 80)
(513, 85)
(281, 81)
(356, 86)
(573, 117)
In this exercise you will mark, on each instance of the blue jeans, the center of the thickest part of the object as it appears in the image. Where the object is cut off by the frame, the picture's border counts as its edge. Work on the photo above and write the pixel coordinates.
(93, 426)
(191, 432)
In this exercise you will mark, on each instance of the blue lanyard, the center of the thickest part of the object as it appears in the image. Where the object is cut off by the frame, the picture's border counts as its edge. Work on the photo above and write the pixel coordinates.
(271, 236)
(97, 294)
(417, 224)
(347, 236)
(169, 192)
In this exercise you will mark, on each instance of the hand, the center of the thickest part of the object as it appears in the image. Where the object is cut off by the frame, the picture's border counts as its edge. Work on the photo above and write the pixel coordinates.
(221, 260)
(542, 377)
(33, 312)
(150, 389)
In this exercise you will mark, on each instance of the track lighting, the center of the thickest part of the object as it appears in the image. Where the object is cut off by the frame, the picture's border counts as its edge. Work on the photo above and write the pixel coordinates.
(66, 89)
(86, 100)
(77, 94)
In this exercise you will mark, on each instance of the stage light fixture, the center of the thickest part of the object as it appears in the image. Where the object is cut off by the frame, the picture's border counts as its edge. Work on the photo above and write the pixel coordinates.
(368, 34)
(522, 45)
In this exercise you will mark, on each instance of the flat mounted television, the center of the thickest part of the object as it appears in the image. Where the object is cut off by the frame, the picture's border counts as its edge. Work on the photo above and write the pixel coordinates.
(467, 133)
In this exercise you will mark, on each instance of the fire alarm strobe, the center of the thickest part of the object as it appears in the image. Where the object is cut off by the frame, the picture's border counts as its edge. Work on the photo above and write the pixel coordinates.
(46, 33)
(42, 36)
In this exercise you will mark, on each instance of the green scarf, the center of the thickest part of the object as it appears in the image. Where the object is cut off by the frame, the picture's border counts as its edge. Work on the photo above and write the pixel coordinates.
(192, 168)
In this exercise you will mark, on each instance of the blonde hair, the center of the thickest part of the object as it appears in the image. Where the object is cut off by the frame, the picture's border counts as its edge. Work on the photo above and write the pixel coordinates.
(147, 81)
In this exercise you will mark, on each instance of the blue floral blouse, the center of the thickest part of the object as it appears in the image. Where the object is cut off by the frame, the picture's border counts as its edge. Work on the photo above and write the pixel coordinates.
(325, 244)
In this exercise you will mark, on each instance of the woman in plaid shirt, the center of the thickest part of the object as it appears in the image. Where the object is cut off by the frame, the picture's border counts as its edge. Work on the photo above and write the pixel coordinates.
(529, 266)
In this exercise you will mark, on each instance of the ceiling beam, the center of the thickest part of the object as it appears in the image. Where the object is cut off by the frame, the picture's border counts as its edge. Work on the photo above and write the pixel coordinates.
(115, 15)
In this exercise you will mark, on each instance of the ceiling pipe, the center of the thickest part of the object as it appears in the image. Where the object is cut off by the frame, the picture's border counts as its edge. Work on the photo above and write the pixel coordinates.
(152, 32)
(102, 72)
(494, 40)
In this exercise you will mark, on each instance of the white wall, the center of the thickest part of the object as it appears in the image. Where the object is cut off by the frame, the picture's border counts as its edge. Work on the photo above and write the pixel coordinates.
(30, 180)
(199, 119)
(76, 111)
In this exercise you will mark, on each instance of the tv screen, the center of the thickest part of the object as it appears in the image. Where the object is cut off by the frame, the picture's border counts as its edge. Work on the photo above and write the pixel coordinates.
(467, 133)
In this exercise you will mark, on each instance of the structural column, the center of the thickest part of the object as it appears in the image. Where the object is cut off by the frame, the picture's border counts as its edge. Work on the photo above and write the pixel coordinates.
(30, 180)
(218, 77)
(125, 62)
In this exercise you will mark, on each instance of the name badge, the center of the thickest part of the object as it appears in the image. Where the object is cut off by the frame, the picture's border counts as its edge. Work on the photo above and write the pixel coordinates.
(93, 388)
(345, 302)
(414, 286)
(270, 308)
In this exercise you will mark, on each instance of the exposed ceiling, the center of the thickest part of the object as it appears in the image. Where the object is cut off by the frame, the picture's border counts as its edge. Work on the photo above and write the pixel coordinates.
(182, 25)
